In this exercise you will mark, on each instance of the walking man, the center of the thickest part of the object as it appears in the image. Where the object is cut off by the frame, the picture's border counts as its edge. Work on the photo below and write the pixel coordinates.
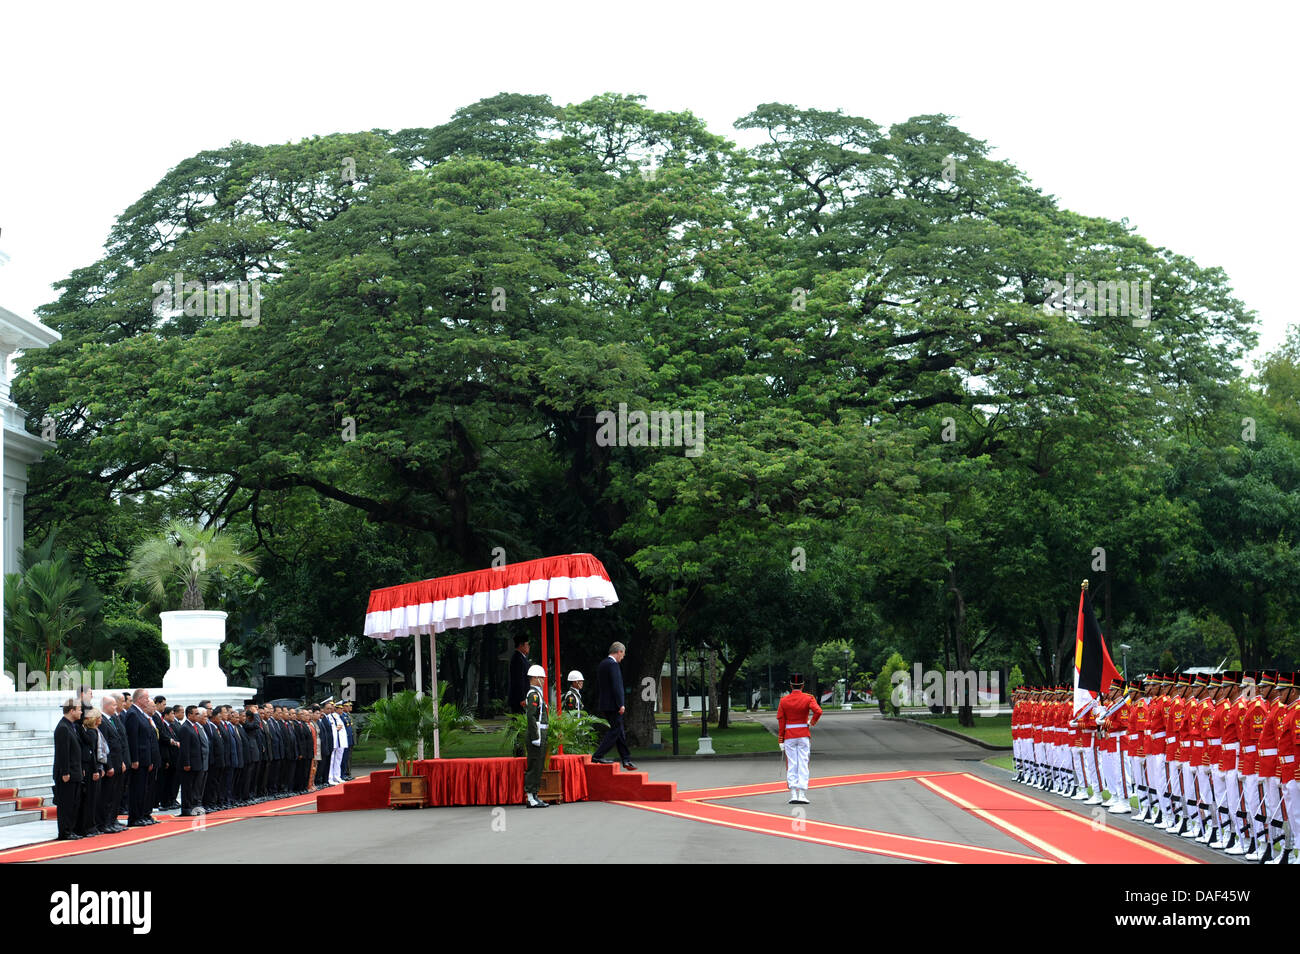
(795, 717)
(609, 677)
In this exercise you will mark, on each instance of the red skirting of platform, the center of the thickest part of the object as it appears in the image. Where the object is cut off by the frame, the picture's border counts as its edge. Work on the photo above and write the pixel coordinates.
(500, 781)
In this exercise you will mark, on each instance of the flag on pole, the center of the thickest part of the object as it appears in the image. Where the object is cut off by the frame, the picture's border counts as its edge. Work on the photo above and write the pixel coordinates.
(1093, 669)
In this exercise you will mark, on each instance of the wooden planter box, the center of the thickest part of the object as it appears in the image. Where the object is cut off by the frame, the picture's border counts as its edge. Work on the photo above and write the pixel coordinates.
(405, 791)
(552, 787)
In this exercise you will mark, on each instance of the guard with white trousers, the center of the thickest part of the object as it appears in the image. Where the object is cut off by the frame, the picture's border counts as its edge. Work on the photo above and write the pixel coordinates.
(795, 717)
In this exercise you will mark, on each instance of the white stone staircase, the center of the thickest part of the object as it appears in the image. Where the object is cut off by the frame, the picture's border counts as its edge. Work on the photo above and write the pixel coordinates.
(26, 782)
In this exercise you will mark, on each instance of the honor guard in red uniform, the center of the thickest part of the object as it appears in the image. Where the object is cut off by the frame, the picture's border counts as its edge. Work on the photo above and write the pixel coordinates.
(795, 717)
(1137, 727)
(1175, 715)
(1286, 764)
(1234, 831)
(1267, 769)
(1250, 724)
(1210, 733)
(1154, 744)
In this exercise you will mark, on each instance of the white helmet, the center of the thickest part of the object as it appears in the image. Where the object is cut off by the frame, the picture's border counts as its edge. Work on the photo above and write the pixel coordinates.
(575, 676)
(536, 671)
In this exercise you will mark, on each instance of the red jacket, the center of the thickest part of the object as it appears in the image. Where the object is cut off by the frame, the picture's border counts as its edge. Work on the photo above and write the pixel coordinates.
(792, 716)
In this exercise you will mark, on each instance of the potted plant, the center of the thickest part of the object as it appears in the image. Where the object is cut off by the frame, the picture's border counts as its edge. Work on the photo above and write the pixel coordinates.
(189, 558)
(401, 721)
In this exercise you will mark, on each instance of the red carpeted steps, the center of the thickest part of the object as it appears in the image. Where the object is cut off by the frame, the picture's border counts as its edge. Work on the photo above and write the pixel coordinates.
(605, 783)
(359, 794)
(611, 783)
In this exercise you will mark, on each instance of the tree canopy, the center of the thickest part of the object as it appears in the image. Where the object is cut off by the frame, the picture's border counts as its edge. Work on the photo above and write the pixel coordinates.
(905, 439)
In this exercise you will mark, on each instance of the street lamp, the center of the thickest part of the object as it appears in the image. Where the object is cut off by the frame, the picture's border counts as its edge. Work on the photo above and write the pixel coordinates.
(310, 669)
(844, 702)
(1124, 648)
(263, 668)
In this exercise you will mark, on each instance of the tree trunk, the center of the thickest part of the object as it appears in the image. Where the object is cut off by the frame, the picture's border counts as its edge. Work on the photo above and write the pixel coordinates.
(729, 670)
(947, 663)
(645, 660)
(713, 681)
(965, 714)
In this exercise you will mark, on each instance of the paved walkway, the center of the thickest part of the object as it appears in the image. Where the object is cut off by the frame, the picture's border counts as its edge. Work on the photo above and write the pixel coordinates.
(883, 792)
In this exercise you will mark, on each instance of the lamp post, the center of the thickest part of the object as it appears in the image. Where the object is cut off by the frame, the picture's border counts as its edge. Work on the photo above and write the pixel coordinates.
(263, 668)
(706, 743)
(1124, 648)
(310, 669)
(845, 704)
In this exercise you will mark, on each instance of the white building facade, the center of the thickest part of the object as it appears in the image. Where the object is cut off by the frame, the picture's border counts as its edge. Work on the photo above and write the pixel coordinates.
(18, 450)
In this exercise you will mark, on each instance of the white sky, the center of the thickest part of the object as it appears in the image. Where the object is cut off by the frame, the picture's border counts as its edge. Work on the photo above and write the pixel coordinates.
(1176, 115)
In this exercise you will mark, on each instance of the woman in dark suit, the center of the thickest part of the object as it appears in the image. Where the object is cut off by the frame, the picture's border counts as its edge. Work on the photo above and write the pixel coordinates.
(92, 771)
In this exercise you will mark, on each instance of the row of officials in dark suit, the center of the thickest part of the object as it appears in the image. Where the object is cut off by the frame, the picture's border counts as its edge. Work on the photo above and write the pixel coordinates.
(137, 754)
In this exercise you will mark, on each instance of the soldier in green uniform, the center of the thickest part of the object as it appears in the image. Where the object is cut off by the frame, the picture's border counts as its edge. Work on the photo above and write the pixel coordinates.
(573, 698)
(535, 745)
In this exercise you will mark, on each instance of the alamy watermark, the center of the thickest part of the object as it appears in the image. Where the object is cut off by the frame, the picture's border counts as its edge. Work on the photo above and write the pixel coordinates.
(58, 680)
(651, 429)
(1111, 298)
(209, 299)
(953, 688)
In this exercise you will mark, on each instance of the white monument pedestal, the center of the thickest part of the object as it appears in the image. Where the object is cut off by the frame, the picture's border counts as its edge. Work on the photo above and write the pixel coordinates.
(194, 639)
(706, 746)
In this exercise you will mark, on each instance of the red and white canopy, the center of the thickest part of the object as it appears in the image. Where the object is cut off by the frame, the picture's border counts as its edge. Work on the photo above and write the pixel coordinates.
(513, 591)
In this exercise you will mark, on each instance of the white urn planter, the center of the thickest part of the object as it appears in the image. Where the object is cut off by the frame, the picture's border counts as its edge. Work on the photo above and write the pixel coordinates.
(194, 639)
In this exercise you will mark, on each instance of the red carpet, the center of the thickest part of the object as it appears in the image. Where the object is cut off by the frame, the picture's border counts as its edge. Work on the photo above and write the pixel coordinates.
(770, 788)
(167, 825)
(1054, 830)
(840, 836)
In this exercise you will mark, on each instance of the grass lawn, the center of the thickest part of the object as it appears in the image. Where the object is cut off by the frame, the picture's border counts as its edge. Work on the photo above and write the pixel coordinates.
(738, 737)
(1002, 761)
(995, 730)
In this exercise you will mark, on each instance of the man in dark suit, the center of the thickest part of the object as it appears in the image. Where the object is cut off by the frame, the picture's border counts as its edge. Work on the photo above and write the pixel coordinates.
(169, 751)
(141, 742)
(123, 708)
(304, 751)
(609, 678)
(290, 743)
(253, 728)
(234, 754)
(193, 761)
(216, 761)
(67, 770)
(114, 733)
(518, 686)
(264, 770)
(277, 750)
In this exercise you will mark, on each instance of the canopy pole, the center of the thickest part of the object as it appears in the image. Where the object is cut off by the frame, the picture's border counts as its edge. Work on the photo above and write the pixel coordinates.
(419, 689)
(437, 700)
(544, 641)
(559, 670)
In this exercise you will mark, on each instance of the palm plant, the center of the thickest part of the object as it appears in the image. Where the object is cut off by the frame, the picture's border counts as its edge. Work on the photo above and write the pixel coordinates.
(44, 609)
(402, 721)
(186, 555)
